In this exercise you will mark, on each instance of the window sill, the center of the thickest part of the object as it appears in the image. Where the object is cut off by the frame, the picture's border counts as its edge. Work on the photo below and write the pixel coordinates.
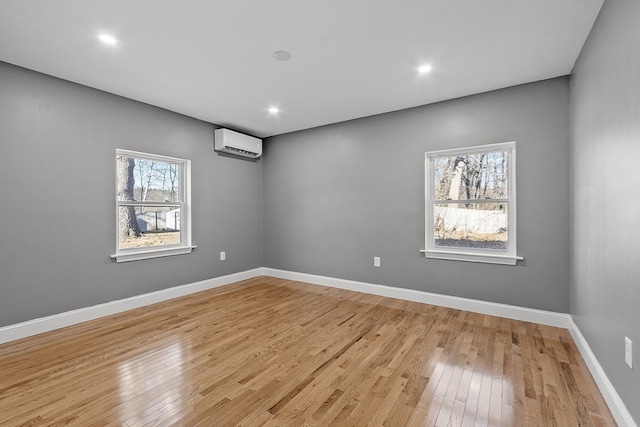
(151, 253)
(473, 257)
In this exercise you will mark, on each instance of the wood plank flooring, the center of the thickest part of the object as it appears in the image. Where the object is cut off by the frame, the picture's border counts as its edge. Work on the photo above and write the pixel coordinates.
(273, 352)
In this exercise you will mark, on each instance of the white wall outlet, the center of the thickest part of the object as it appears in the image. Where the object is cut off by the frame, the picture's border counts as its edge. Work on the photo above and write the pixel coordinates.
(223, 256)
(628, 352)
(376, 261)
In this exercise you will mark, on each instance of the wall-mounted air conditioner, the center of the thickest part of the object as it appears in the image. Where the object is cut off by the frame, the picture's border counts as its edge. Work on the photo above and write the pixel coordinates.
(228, 141)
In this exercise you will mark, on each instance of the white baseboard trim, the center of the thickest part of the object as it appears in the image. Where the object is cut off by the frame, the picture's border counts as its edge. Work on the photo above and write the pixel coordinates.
(615, 403)
(550, 318)
(49, 323)
(68, 318)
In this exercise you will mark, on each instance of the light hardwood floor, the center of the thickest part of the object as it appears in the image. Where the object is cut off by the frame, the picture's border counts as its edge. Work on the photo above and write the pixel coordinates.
(274, 352)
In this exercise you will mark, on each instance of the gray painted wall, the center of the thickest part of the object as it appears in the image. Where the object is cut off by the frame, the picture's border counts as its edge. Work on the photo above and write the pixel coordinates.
(336, 196)
(57, 190)
(605, 153)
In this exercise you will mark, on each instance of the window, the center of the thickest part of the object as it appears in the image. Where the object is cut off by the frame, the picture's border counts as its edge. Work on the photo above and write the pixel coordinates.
(152, 206)
(471, 204)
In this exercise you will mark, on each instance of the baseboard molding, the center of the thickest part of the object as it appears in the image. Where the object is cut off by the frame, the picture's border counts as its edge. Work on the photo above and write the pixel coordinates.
(68, 318)
(561, 320)
(61, 320)
(615, 403)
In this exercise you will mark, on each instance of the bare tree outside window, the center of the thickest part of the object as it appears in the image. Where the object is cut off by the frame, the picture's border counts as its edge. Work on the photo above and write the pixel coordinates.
(149, 202)
(470, 195)
(127, 224)
(470, 202)
(466, 187)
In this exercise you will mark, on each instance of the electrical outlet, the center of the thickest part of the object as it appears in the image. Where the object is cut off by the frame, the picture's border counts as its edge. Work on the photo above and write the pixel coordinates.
(628, 352)
(376, 261)
(223, 256)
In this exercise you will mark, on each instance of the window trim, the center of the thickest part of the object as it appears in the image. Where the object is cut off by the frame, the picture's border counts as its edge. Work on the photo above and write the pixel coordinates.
(185, 247)
(508, 257)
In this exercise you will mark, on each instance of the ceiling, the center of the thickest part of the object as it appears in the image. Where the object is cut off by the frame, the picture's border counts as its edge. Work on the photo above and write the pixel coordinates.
(213, 60)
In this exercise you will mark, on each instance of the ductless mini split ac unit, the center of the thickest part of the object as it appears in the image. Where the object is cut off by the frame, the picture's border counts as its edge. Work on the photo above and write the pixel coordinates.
(230, 142)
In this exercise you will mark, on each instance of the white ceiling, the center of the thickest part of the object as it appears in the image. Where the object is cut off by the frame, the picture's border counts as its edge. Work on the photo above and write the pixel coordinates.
(212, 60)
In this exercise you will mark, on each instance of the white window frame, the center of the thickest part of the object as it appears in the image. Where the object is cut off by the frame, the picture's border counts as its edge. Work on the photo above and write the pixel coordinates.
(184, 204)
(492, 256)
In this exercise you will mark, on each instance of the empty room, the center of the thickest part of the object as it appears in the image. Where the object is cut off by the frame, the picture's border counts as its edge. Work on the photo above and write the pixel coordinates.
(320, 213)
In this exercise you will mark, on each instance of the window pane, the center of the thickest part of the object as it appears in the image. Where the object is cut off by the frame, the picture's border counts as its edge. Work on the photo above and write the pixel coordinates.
(145, 180)
(471, 225)
(471, 176)
(144, 226)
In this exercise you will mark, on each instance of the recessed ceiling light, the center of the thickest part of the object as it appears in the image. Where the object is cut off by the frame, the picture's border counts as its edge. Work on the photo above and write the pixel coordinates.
(424, 69)
(282, 55)
(274, 110)
(107, 39)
